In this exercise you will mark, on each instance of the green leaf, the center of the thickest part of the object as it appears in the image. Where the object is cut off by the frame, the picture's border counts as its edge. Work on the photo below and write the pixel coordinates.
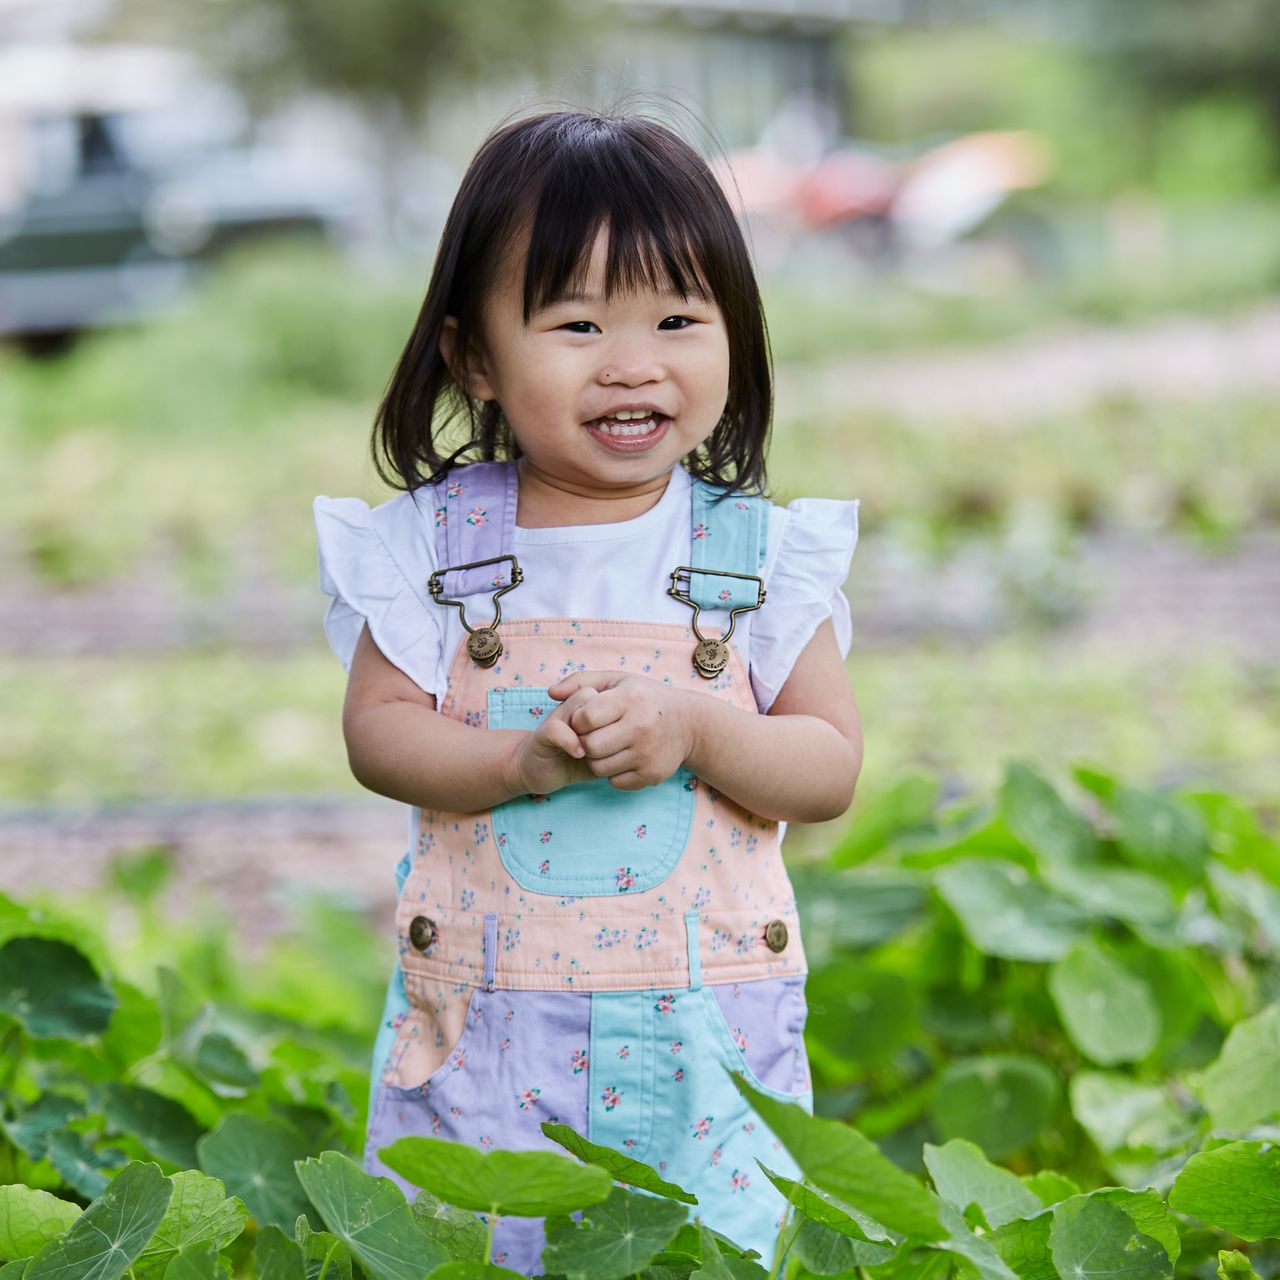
(977, 1251)
(1050, 1187)
(1243, 1085)
(854, 910)
(220, 1060)
(1149, 1213)
(143, 873)
(616, 1237)
(847, 996)
(166, 1128)
(830, 1252)
(962, 1175)
(1116, 893)
(198, 1262)
(1118, 1112)
(1093, 1240)
(255, 1158)
(322, 1252)
(13, 1270)
(1235, 1186)
(30, 1218)
(277, 1257)
(1042, 820)
(1000, 1103)
(458, 1231)
(839, 1159)
(822, 1207)
(369, 1215)
(1109, 1014)
(1159, 833)
(1233, 1265)
(31, 1127)
(109, 1235)
(903, 808)
(1006, 913)
(52, 989)
(526, 1184)
(135, 1028)
(199, 1212)
(81, 1166)
(716, 1264)
(1023, 1246)
(622, 1167)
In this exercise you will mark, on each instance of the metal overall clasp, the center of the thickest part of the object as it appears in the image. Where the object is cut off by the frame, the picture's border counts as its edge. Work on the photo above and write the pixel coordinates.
(711, 656)
(483, 643)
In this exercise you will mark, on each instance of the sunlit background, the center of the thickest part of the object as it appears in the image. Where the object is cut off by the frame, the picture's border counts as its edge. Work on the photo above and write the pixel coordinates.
(1021, 264)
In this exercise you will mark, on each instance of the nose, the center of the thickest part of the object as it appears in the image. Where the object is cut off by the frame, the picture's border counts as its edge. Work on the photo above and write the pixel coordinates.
(632, 361)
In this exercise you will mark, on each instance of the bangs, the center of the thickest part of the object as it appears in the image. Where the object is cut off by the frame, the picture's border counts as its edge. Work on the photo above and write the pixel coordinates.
(656, 240)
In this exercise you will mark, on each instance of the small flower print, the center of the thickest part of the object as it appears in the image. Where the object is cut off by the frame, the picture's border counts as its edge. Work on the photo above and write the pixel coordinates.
(702, 897)
(700, 1128)
(578, 1061)
(741, 506)
(624, 879)
(666, 1003)
(511, 939)
(678, 1075)
(481, 832)
(691, 784)
(641, 831)
(526, 1099)
(676, 1046)
(610, 1097)
(455, 1112)
(544, 837)
(442, 518)
(645, 938)
(606, 938)
(454, 490)
(740, 1038)
(457, 1062)
(435, 1122)
(544, 867)
(628, 1143)
(700, 531)
(752, 843)
(506, 1044)
(467, 899)
(726, 594)
(507, 1017)
(476, 516)
(486, 1141)
(749, 1127)
(624, 1052)
(714, 1158)
(537, 711)
(502, 839)
(740, 1181)
(720, 939)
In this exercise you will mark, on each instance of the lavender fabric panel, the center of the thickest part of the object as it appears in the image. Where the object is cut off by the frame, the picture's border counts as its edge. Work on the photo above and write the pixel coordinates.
(521, 1059)
(766, 1020)
(475, 511)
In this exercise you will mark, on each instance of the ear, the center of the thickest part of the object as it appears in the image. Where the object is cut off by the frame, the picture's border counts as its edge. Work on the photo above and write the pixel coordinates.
(476, 384)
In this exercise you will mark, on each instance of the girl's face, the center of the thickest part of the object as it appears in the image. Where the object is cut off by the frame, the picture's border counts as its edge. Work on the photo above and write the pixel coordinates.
(559, 380)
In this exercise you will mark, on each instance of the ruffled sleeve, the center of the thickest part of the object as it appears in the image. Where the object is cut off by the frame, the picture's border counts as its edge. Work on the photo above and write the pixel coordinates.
(811, 547)
(375, 564)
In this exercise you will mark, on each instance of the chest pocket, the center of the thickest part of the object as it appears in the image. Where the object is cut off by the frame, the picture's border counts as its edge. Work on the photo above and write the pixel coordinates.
(587, 839)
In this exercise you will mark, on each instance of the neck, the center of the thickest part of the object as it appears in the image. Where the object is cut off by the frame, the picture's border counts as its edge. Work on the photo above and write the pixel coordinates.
(546, 501)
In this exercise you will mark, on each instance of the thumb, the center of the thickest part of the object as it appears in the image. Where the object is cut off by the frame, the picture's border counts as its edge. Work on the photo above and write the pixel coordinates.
(582, 680)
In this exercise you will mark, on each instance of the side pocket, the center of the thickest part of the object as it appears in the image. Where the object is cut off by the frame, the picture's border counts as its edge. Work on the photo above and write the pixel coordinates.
(760, 1026)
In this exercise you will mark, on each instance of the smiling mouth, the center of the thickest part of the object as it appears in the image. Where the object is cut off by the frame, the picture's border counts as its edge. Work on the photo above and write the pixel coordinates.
(628, 429)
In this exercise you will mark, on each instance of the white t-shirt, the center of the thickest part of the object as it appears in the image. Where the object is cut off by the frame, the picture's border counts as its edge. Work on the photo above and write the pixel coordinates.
(375, 563)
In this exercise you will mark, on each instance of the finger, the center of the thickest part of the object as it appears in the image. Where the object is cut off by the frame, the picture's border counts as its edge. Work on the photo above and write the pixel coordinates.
(600, 744)
(604, 709)
(628, 781)
(594, 679)
(556, 733)
(612, 765)
(564, 710)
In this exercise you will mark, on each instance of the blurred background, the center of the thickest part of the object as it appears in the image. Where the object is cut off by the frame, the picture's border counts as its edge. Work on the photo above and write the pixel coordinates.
(1022, 271)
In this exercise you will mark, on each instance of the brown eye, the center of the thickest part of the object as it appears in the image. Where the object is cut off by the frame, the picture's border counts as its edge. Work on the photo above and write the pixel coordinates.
(685, 322)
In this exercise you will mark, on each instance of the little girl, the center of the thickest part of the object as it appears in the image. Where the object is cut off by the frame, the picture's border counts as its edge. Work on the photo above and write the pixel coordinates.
(602, 669)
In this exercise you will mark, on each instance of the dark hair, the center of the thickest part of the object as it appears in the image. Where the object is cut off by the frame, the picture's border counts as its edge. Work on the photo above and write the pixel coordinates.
(559, 177)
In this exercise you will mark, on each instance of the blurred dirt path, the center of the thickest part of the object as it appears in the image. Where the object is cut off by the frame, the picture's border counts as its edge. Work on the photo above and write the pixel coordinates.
(1170, 358)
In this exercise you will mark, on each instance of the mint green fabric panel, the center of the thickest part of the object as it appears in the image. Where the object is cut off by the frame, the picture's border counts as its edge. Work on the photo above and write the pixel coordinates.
(587, 838)
(732, 536)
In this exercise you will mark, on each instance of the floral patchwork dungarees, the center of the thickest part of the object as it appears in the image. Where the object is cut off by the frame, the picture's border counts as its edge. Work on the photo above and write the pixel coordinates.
(596, 957)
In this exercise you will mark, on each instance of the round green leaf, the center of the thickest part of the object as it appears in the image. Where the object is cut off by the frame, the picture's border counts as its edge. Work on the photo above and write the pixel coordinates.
(1004, 912)
(369, 1215)
(200, 1262)
(1119, 1112)
(616, 1238)
(199, 1212)
(255, 1158)
(276, 1257)
(1000, 1102)
(166, 1128)
(458, 1231)
(1042, 820)
(30, 1218)
(963, 1176)
(827, 1252)
(1109, 1014)
(52, 989)
(111, 1233)
(1243, 1085)
(525, 1184)
(1235, 1187)
(1155, 831)
(1093, 1240)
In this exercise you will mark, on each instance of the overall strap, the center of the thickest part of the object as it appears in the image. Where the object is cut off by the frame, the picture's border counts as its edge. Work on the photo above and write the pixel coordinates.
(732, 536)
(475, 519)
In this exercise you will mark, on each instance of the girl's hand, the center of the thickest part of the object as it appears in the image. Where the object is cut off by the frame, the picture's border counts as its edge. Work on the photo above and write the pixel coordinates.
(636, 731)
(552, 755)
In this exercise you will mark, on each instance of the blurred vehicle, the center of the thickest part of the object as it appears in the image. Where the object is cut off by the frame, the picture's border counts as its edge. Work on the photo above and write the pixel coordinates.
(122, 175)
(908, 213)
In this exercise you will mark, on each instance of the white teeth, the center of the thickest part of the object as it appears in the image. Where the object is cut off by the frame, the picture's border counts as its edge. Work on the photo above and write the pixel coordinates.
(624, 414)
(624, 428)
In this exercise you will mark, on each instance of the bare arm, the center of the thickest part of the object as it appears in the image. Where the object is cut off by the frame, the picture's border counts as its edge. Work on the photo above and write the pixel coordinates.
(399, 745)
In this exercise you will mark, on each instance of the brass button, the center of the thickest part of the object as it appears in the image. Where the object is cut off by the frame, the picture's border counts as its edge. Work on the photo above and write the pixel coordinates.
(422, 932)
(775, 935)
